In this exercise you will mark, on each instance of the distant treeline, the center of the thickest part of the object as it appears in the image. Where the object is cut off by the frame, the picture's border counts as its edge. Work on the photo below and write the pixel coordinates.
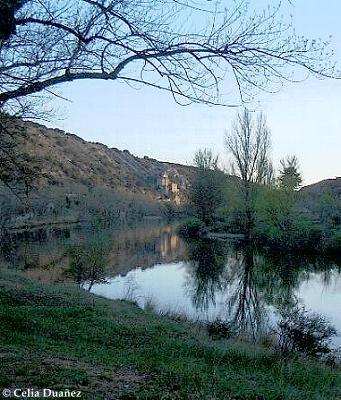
(79, 203)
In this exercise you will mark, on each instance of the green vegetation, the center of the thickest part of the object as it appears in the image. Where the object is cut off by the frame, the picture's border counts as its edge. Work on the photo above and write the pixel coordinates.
(88, 261)
(307, 333)
(281, 219)
(289, 175)
(268, 211)
(207, 190)
(77, 203)
(283, 224)
(59, 336)
(191, 228)
(248, 143)
(63, 337)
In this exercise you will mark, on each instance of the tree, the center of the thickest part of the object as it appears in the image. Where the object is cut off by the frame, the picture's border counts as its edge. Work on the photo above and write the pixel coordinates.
(152, 42)
(329, 208)
(249, 145)
(19, 172)
(290, 178)
(8, 8)
(44, 44)
(88, 262)
(207, 189)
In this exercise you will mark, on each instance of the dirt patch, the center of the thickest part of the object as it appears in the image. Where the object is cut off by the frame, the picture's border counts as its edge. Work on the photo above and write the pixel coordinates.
(24, 370)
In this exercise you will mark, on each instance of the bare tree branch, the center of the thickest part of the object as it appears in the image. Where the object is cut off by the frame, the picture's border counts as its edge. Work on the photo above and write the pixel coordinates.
(154, 43)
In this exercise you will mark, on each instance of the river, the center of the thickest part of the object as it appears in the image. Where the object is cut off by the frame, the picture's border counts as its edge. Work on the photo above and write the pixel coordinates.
(201, 280)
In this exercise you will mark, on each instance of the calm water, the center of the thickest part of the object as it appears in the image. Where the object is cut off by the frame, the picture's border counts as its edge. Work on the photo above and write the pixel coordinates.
(204, 280)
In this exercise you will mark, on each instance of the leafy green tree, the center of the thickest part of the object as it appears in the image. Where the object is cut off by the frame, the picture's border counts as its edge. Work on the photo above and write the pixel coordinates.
(290, 177)
(207, 189)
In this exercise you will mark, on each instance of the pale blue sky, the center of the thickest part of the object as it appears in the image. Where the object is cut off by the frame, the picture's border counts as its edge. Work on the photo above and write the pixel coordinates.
(305, 118)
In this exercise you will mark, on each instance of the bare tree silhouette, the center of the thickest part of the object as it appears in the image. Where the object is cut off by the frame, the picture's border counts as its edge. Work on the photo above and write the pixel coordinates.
(188, 48)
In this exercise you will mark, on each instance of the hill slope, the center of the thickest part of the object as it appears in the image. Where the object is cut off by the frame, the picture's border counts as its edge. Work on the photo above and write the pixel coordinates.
(332, 186)
(69, 165)
(66, 159)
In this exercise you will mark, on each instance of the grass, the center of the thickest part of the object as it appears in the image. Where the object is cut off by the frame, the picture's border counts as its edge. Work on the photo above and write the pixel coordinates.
(58, 337)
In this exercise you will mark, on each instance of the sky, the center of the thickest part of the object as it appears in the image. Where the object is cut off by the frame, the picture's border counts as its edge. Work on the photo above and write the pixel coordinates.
(304, 118)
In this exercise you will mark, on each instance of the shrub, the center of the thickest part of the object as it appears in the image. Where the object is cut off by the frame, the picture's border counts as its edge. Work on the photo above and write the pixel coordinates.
(302, 235)
(191, 228)
(307, 333)
(219, 329)
(87, 262)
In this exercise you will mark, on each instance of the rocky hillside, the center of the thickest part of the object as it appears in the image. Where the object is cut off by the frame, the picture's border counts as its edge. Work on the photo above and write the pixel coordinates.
(65, 160)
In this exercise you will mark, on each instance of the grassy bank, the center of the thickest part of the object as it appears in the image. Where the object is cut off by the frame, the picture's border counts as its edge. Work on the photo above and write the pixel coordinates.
(60, 337)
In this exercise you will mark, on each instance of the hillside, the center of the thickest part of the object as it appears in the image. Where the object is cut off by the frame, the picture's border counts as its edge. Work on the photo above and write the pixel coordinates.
(78, 179)
(66, 160)
(332, 186)
(74, 181)
(321, 201)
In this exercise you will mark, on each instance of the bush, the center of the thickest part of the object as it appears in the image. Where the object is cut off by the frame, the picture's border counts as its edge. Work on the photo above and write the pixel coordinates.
(191, 228)
(302, 235)
(87, 262)
(305, 333)
(219, 329)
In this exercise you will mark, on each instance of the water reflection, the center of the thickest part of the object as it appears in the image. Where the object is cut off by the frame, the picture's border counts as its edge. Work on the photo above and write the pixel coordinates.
(44, 253)
(217, 270)
(242, 285)
(205, 279)
(205, 272)
(245, 303)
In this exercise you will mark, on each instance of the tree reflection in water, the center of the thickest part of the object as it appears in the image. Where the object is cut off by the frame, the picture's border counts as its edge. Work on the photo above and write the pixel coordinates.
(239, 284)
(220, 270)
(251, 284)
(245, 304)
(206, 267)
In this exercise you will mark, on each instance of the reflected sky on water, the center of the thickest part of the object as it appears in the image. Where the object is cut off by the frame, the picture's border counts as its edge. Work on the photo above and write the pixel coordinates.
(233, 283)
(202, 279)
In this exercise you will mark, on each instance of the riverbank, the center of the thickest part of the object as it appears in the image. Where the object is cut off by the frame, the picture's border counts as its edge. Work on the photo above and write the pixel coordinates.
(308, 238)
(59, 337)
